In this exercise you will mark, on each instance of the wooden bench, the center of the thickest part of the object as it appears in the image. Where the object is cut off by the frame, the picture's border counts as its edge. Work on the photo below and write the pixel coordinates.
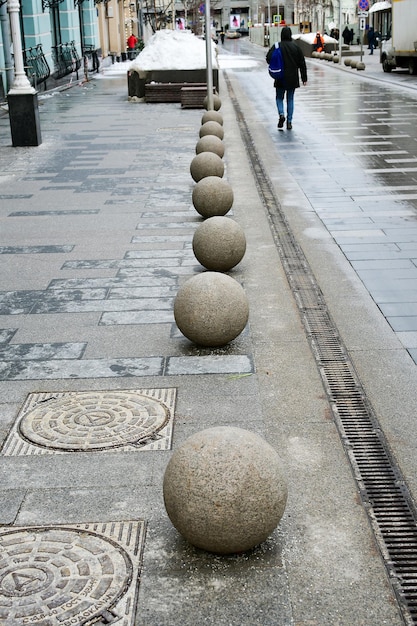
(193, 97)
(167, 92)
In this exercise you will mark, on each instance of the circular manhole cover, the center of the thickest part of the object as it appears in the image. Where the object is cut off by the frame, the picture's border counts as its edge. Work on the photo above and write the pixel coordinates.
(93, 421)
(59, 573)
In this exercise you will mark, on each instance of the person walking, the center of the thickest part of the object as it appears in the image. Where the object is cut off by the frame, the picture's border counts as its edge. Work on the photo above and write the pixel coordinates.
(294, 65)
(371, 40)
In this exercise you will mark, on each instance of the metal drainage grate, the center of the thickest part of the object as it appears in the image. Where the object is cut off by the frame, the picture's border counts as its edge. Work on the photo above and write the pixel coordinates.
(383, 491)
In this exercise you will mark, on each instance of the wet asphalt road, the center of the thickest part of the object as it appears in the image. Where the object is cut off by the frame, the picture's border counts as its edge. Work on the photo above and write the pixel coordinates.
(353, 152)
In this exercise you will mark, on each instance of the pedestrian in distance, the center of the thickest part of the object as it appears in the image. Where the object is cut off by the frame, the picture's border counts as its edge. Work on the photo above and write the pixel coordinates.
(371, 40)
(132, 41)
(318, 43)
(346, 36)
(293, 65)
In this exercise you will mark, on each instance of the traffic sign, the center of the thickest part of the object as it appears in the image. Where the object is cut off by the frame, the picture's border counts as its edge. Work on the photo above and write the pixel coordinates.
(363, 5)
(362, 23)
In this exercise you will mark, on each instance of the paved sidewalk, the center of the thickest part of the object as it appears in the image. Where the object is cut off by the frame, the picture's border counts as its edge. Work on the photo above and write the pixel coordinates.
(96, 231)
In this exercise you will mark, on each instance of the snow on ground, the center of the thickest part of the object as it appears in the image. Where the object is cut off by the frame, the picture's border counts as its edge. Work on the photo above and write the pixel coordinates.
(173, 50)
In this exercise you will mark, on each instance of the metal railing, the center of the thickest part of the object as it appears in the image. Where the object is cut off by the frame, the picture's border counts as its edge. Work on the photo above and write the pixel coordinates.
(36, 65)
(66, 59)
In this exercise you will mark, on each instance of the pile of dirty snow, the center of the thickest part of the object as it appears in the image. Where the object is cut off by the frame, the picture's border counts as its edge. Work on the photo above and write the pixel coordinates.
(173, 50)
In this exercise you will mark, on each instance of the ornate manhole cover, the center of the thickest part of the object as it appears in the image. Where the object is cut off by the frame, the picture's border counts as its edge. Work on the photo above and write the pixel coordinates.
(69, 575)
(92, 421)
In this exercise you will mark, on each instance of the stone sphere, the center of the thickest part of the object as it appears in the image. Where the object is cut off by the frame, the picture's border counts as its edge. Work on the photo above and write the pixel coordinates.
(353, 64)
(360, 66)
(225, 490)
(212, 196)
(335, 58)
(211, 309)
(348, 62)
(206, 164)
(219, 244)
(212, 128)
(217, 103)
(210, 143)
(212, 116)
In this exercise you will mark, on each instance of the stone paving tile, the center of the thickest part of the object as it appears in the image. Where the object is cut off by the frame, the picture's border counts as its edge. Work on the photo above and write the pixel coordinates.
(42, 352)
(87, 368)
(10, 504)
(239, 364)
(35, 249)
(401, 324)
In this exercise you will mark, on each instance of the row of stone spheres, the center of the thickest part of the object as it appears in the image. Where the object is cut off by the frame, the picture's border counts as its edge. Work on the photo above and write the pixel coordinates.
(224, 488)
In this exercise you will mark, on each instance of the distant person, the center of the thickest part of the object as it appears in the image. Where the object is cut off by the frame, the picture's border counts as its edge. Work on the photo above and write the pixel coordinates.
(346, 36)
(352, 36)
(222, 35)
(131, 44)
(318, 43)
(294, 64)
(371, 40)
(132, 41)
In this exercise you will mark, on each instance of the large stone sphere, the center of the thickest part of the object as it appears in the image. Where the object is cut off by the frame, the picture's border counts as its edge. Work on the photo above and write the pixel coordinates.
(210, 143)
(219, 243)
(225, 490)
(217, 103)
(211, 128)
(211, 309)
(212, 116)
(206, 164)
(212, 196)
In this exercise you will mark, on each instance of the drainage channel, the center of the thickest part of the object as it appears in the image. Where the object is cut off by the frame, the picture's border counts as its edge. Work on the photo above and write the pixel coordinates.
(382, 488)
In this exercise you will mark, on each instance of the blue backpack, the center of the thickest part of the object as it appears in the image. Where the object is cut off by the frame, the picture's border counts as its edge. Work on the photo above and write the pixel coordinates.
(276, 64)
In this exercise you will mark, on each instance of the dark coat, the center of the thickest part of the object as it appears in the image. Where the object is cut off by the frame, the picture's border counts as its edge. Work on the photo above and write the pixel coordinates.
(294, 62)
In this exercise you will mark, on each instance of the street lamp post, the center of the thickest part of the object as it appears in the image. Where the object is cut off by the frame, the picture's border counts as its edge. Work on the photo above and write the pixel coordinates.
(340, 31)
(209, 62)
(22, 98)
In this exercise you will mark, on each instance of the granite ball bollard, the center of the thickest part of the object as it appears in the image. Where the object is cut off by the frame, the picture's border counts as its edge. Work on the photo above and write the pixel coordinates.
(210, 143)
(348, 62)
(219, 244)
(353, 64)
(206, 164)
(212, 116)
(360, 66)
(211, 309)
(335, 58)
(225, 490)
(217, 103)
(212, 196)
(212, 128)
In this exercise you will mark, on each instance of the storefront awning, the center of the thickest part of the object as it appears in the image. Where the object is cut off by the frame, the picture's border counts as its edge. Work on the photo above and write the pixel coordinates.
(380, 6)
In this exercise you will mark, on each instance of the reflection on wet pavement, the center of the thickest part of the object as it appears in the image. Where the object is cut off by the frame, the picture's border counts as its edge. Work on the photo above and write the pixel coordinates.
(353, 151)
